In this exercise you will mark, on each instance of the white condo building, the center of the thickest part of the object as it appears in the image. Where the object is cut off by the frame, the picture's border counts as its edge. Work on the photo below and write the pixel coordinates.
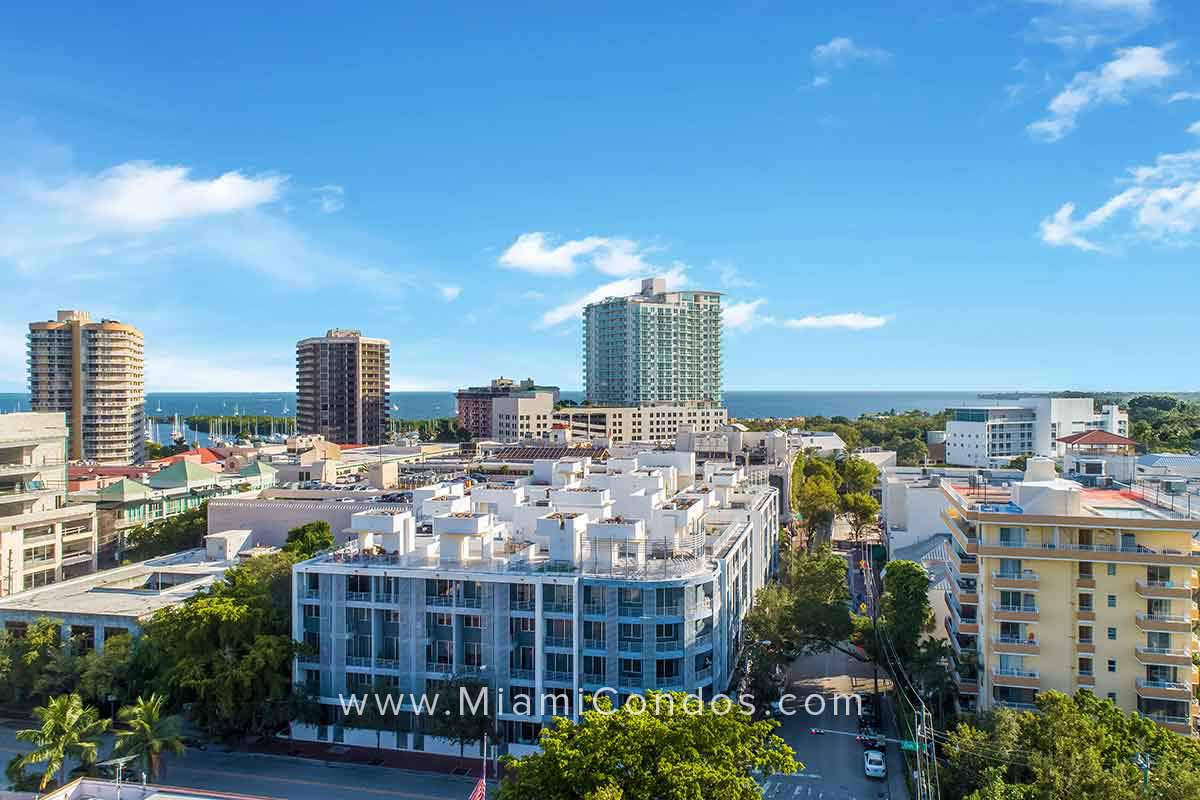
(991, 436)
(634, 574)
(653, 347)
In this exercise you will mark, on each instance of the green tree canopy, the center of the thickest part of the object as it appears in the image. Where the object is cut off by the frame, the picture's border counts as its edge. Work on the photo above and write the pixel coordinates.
(817, 502)
(149, 733)
(464, 715)
(308, 540)
(858, 475)
(1076, 748)
(648, 756)
(862, 512)
(905, 613)
(911, 452)
(181, 532)
(69, 730)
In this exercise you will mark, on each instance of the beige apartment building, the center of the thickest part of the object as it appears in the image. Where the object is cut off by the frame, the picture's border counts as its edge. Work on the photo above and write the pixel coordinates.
(644, 423)
(342, 387)
(43, 540)
(93, 373)
(1065, 586)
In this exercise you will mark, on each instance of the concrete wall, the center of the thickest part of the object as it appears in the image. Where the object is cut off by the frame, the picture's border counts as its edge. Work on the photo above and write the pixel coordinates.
(270, 520)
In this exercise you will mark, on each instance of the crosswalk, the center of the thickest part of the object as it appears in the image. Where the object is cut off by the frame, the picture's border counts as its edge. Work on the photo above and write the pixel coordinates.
(812, 786)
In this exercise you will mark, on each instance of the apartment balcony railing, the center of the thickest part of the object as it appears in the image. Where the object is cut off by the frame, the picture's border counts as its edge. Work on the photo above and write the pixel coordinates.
(439, 600)
(629, 645)
(672, 682)
(1016, 706)
(704, 673)
(469, 601)
(594, 608)
(522, 674)
(518, 605)
(311, 594)
(1002, 579)
(1017, 613)
(358, 596)
(669, 644)
(1168, 656)
(629, 610)
(559, 641)
(358, 661)
(1163, 589)
(558, 606)
(386, 663)
(630, 680)
(439, 667)
(1015, 677)
(1164, 622)
(703, 640)
(558, 676)
(1016, 645)
(594, 644)
(1165, 690)
(595, 678)
(669, 610)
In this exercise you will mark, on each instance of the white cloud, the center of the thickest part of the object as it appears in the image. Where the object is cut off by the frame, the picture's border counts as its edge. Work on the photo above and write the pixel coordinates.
(450, 293)
(533, 295)
(141, 195)
(854, 320)
(532, 252)
(1180, 97)
(1133, 68)
(1162, 203)
(744, 316)
(841, 51)
(572, 309)
(331, 198)
(821, 80)
(732, 278)
(1194, 129)
(198, 371)
(537, 253)
(1075, 25)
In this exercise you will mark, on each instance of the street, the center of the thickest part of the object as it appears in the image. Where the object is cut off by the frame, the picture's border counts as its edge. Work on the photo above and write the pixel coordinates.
(284, 776)
(833, 764)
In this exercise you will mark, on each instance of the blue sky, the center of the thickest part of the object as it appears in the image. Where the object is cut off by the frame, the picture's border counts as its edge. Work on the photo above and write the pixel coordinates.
(977, 195)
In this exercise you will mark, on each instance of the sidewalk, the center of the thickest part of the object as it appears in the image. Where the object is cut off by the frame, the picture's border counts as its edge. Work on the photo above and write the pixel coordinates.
(468, 766)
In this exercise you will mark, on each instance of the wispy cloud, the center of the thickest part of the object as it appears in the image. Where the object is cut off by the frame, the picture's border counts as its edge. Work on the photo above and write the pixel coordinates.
(1076, 25)
(745, 316)
(1162, 203)
(1133, 68)
(1194, 129)
(732, 278)
(1180, 97)
(854, 321)
(450, 293)
(331, 198)
(141, 195)
(537, 253)
(841, 51)
(676, 277)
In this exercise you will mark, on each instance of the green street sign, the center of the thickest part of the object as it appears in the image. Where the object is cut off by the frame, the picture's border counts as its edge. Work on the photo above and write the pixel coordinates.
(909, 745)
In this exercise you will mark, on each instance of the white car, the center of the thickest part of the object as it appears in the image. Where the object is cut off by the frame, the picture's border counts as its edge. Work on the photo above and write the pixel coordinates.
(873, 764)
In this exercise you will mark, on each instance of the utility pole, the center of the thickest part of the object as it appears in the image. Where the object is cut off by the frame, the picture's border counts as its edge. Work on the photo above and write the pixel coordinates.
(874, 601)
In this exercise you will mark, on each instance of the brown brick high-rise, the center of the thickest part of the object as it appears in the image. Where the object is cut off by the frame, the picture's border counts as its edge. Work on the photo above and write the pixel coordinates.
(342, 387)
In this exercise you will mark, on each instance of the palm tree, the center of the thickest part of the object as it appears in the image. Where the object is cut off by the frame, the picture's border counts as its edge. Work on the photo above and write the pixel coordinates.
(150, 734)
(69, 730)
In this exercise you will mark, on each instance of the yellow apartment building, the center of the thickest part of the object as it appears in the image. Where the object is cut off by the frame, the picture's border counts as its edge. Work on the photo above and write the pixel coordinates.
(1061, 586)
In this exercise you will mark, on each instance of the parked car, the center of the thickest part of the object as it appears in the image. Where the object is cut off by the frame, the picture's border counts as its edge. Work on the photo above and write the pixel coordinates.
(873, 764)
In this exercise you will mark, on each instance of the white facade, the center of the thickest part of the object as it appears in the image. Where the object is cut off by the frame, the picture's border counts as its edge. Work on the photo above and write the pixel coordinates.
(43, 540)
(990, 436)
(542, 589)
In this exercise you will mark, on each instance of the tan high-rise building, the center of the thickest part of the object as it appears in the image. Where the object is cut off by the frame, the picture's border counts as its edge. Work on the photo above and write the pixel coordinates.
(342, 387)
(1077, 584)
(92, 372)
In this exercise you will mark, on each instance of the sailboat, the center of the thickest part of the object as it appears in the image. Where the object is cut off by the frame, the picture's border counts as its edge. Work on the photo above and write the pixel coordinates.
(158, 408)
(177, 434)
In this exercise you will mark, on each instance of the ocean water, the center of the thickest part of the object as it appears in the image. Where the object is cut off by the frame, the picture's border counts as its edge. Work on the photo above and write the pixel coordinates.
(423, 405)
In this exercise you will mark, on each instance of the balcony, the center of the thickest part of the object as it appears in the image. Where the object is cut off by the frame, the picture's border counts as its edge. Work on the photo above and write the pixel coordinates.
(1015, 646)
(703, 640)
(1085, 679)
(517, 605)
(1085, 613)
(594, 644)
(558, 676)
(76, 557)
(1026, 579)
(1012, 705)
(663, 645)
(669, 610)
(630, 681)
(672, 682)
(1169, 623)
(1015, 613)
(1085, 646)
(558, 606)
(1163, 590)
(1163, 656)
(594, 678)
(594, 609)
(629, 645)
(469, 601)
(559, 642)
(1015, 677)
(439, 668)
(1176, 724)
(522, 674)
(358, 597)
(1165, 690)
(1085, 582)
(438, 600)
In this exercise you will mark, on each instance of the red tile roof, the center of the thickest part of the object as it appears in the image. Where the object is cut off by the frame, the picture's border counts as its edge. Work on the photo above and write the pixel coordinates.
(1097, 437)
(206, 457)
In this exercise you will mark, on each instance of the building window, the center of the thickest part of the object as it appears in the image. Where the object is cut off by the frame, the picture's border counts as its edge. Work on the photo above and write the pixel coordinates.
(1112, 665)
(1112, 696)
(1112, 634)
(1112, 601)
(1112, 569)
